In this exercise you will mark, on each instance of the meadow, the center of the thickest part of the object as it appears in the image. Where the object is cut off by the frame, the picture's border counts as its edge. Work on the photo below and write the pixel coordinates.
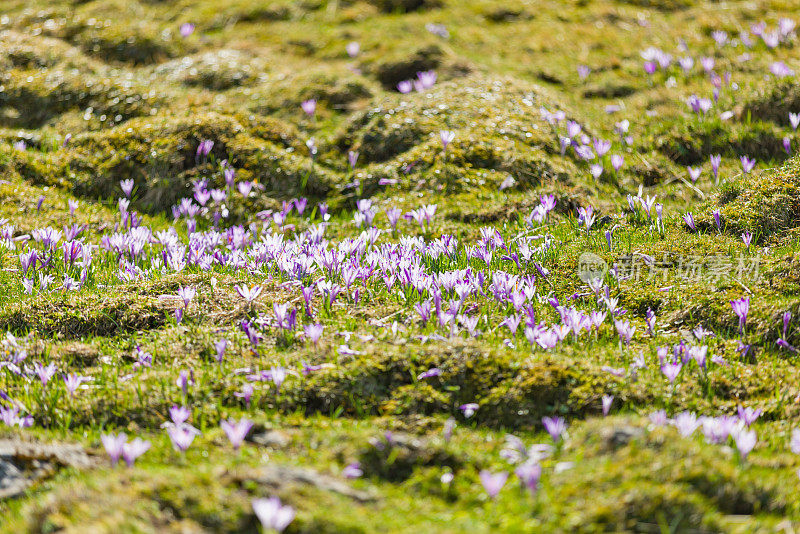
(399, 266)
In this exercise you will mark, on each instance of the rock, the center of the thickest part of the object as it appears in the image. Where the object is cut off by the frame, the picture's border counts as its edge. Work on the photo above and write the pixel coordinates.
(618, 436)
(24, 463)
(271, 438)
(284, 477)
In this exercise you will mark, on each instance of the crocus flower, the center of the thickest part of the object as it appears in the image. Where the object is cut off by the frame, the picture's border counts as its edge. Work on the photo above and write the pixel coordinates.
(794, 120)
(671, 370)
(717, 221)
(249, 294)
(272, 514)
(313, 332)
(748, 415)
(127, 186)
(73, 382)
(694, 173)
(715, 159)
(747, 164)
(745, 441)
(237, 430)
(555, 426)
(220, 347)
(689, 220)
(114, 445)
(186, 29)
(309, 106)
(352, 158)
(447, 137)
(469, 409)
(608, 400)
(493, 482)
(181, 437)
(405, 86)
(794, 444)
(352, 49)
(133, 450)
(747, 237)
(529, 474)
(740, 308)
(186, 294)
(352, 470)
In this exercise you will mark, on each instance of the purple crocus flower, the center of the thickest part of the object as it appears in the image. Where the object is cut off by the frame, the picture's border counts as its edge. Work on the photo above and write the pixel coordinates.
(694, 173)
(748, 415)
(740, 308)
(186, 29)
(794, 120)
(114, 445)
(686, 423)
(715, 159)
(555, 426)
(133, 450)
(434, 371)
(181, 437)
(689, 220)
(493, 482)
(249, 294)
(747, 237)
(352, 49)
(272, 514)
(237, 430)
(671, 370)
(787, 145)
(309, 106)
(73, 382)
(717, 221)
(405, 86)
(186, 294)
(747, 164)
(745, 441)
(127, 186)
(446, 137)
(45, 372)
(352, 158)
(313, 332)
(529, 474)
(469, 409)
(608, 400)
(352, 470)
(220, 347)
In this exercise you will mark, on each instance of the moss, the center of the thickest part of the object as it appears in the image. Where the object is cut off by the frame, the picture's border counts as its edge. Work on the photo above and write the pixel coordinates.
(405, 6)
(217, 70)
(774, 101)
(693, 141)
(766, 203)
(394, 457)
(159, 154)
(658, 478)
(34, 96)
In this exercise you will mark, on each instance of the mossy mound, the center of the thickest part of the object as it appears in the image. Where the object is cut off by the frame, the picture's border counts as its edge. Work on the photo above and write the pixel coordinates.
(497, 124)
(216, 70)
(766, 203)
(511, 392)
(136, 42)
(774, 101)
(692, 142)
(45, 78)
(159, 154)
(640, 478)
